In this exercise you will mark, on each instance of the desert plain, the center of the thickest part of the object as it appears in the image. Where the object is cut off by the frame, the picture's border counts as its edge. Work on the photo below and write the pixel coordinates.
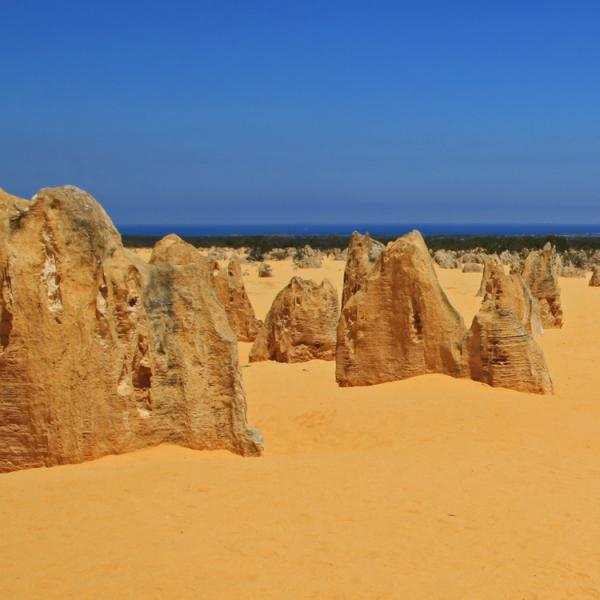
(430, 487)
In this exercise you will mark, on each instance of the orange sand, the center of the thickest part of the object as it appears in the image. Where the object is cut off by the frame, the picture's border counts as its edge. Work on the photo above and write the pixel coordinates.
(426, 488)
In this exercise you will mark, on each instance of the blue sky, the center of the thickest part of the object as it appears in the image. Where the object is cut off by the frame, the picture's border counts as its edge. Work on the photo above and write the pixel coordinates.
(250, 112)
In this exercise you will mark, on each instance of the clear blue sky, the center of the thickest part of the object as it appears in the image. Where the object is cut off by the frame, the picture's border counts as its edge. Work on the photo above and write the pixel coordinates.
(246, 112)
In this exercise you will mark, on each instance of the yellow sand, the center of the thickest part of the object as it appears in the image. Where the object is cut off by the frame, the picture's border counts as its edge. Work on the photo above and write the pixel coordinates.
(426, 488)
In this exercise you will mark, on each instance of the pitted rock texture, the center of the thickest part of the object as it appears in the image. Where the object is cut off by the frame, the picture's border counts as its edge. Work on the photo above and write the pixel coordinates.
(400, 322)
(363, 251)
(101, 352)
(509, 291)
(540, 273)
(301, 324)
(503, 354)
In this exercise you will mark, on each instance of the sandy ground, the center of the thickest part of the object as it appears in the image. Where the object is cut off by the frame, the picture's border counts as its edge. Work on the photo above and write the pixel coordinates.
(426, 488)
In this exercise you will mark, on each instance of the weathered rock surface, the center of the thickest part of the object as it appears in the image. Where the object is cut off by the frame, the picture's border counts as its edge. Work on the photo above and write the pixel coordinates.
(11, 207)
(228, 283)
(595, 278)
(229, 287)
(509, 291)
(363, 251)
(301, 324)
(399, 323)
(502, 354)
(172, 249)
(101, 352)
(540, 273)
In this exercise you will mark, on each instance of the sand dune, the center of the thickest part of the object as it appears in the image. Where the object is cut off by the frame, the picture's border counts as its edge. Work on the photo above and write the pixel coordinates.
(431, 487)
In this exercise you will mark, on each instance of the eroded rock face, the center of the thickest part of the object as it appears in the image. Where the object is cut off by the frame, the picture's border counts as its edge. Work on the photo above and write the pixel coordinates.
(229, 287)
(502, 354)
(500, 348)
(301, 324)
(362, 254)
(540, 273)
(228, 284)
(101, 352)
(399, 323)
(595, 278)
(509, 291)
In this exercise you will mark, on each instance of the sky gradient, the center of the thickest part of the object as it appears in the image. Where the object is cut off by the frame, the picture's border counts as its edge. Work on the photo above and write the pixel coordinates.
(310, 112)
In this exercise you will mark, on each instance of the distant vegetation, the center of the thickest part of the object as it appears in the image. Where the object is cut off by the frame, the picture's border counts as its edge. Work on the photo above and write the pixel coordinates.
(259, 244)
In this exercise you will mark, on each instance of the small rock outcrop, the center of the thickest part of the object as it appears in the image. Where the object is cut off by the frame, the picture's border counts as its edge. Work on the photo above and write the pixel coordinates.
(307, 258)
(445, 259)
(502, 354)
(540, 273)
(399, 323)
(101, 352)
(301, 324)
(595, 278)
(362, 253)
(265, 270)
(509, 291)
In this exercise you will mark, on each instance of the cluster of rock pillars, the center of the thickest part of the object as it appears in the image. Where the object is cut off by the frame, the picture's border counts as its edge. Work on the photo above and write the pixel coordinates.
(102, 352)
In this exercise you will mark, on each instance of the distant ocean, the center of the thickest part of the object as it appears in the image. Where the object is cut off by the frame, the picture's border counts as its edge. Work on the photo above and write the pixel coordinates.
(187, 230)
